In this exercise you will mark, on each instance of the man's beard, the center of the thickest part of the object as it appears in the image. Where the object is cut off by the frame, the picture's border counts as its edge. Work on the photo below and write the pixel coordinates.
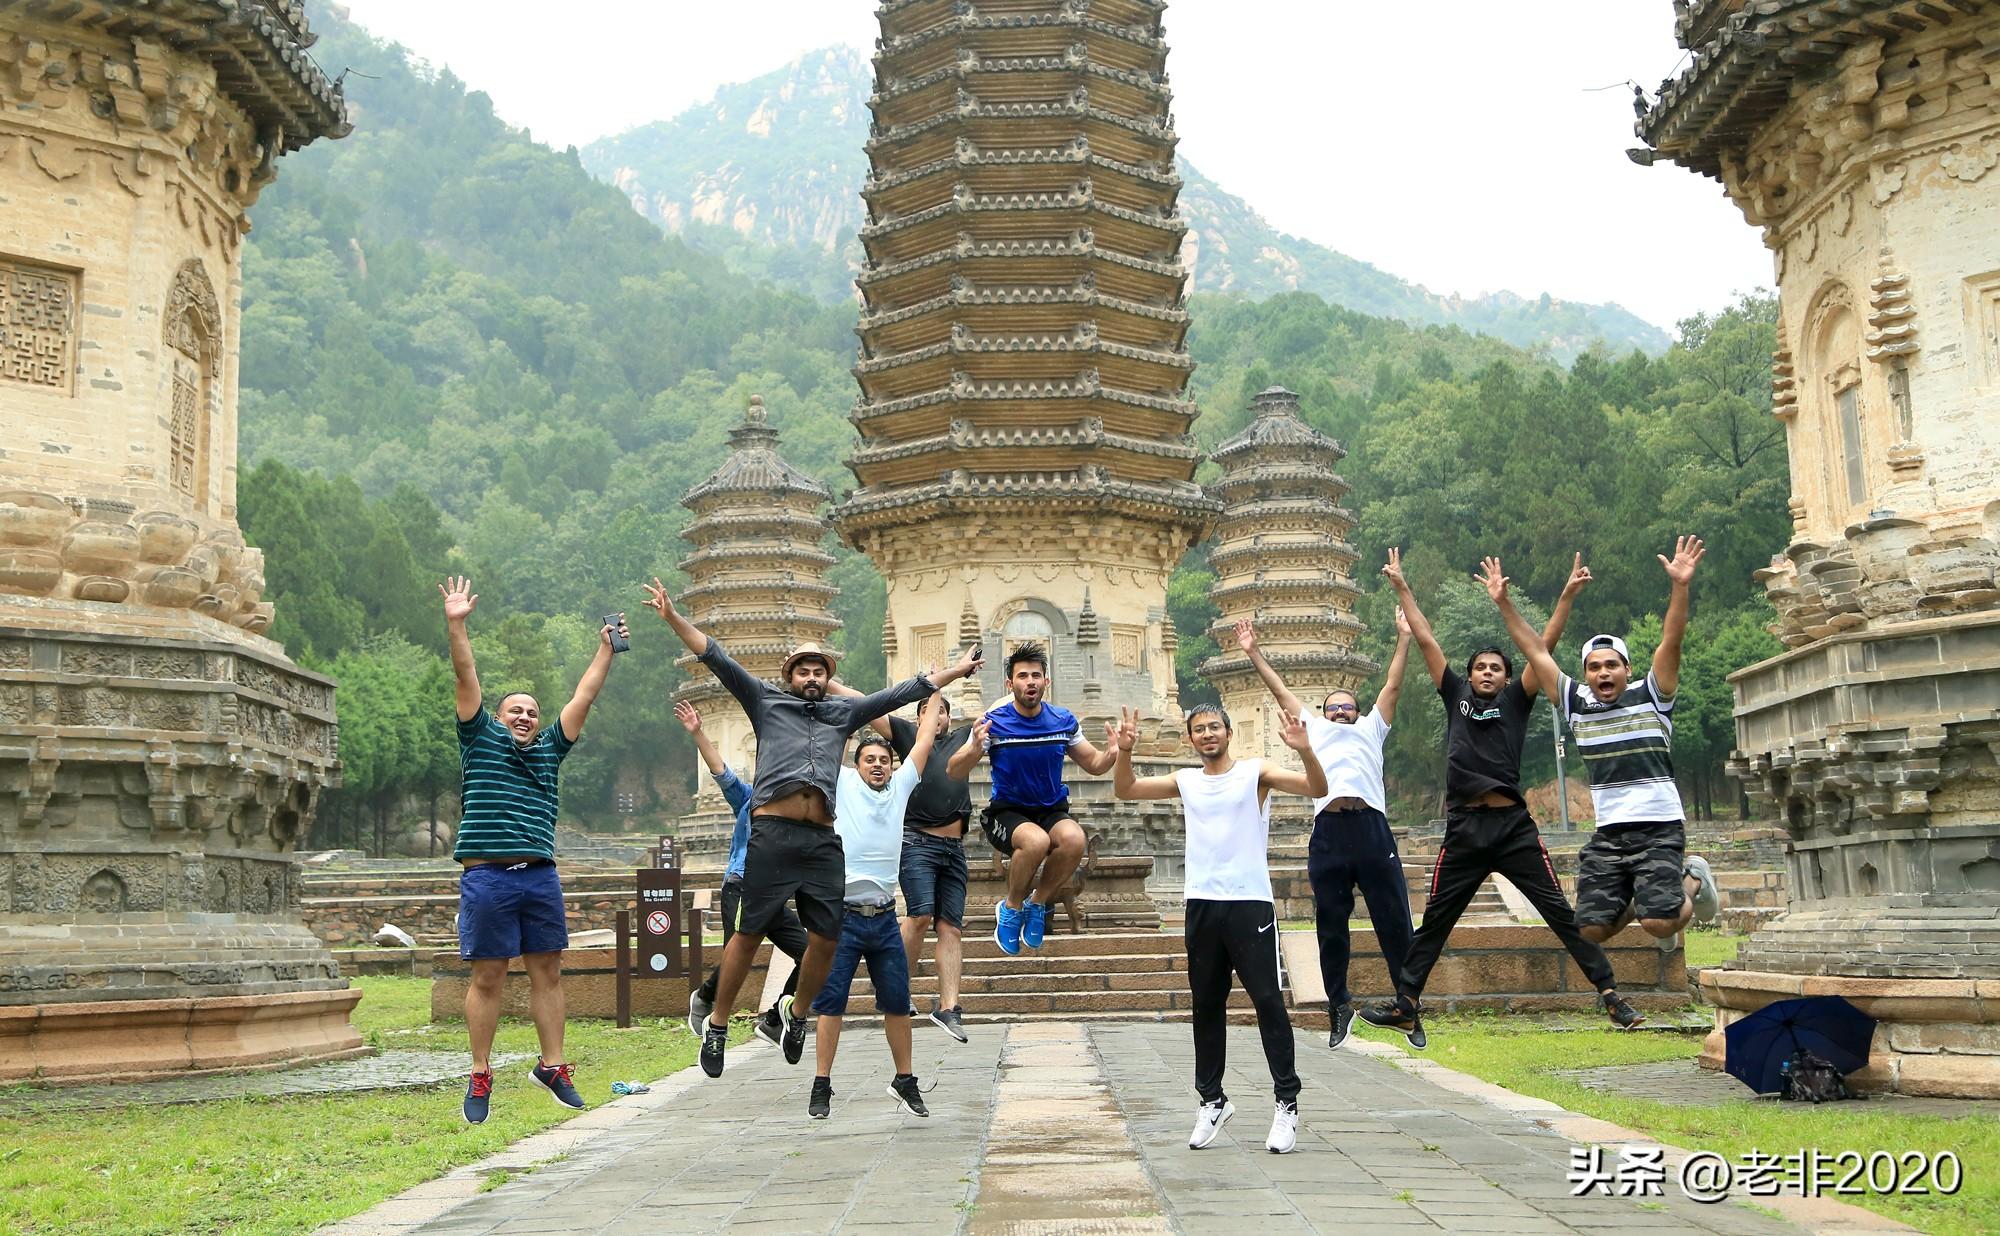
(812, 691)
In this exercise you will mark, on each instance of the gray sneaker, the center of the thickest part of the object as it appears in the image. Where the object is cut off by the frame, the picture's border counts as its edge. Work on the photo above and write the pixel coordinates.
(948, 1020)
(698, 1013)
(1707, 898)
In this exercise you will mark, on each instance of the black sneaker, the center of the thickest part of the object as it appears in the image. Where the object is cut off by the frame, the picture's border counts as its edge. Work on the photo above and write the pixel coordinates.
(478, 1097)
(1621, 1012)
(794, 1044)
(948, 1020)
(714, 1041)
(821, 1104)
(1343, 1020)
(904, 1090)
(555, 1077)
(1401, 1016)
(771, 1027)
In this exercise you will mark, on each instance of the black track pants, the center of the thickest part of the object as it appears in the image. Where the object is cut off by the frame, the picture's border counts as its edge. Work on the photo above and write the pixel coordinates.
(1239, 936)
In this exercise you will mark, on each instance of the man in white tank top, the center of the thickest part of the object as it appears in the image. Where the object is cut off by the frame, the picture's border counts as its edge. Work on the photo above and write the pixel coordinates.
(1231, 922)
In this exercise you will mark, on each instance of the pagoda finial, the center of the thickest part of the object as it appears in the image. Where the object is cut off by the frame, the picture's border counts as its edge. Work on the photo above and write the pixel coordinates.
(754, 414)
(1275, 401)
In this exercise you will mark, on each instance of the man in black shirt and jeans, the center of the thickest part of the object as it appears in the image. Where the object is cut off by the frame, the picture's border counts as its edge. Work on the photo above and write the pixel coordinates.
(1487, 825)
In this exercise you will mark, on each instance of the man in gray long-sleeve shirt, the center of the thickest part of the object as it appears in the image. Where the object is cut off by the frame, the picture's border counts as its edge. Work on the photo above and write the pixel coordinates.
(794, 852)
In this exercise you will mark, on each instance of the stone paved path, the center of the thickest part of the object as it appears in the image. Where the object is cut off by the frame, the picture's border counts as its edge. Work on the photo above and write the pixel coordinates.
(1061, 1127)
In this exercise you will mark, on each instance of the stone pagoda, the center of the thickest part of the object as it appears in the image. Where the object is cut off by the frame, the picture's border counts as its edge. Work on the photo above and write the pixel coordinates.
(159, 757)
(1861, 137)
(757, 582)
(1281, 557)
(1026, 471)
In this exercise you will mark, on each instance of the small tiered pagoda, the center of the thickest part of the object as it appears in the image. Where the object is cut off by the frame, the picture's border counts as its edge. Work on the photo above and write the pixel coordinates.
(1282, 558)
(1023, 367)
(756, 582)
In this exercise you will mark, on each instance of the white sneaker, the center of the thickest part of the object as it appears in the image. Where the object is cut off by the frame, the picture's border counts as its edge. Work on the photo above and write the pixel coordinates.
(1284, 1129)
(1209, 1121)
(1707, 898)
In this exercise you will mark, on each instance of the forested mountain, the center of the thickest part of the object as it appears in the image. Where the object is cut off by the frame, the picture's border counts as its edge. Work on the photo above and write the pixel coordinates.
(462, 352)
(767, 175)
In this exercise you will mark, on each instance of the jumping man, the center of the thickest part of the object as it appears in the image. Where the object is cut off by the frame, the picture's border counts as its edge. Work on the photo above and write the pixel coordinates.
(1232, 923)
(510, 901)
(1029, 818)
(788, 936)
(868, 814)
(793, 852)
(1487, 825)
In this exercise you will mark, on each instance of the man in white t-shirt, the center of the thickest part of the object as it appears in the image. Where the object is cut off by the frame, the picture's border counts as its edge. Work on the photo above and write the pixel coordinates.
(1351, 844)
(1232, 923)
(868, 806)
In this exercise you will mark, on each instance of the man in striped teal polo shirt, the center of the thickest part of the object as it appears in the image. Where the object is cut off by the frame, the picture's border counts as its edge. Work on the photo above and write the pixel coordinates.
(510, 901)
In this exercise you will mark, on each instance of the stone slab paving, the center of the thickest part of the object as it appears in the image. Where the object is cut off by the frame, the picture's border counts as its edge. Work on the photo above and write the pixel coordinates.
(1685, 1083)
(1066, 1127)
(389, 1070)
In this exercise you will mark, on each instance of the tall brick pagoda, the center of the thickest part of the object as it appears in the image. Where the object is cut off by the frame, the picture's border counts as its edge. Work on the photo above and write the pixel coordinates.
(757, 582)
(1023, 415)
(1862, 136)
(1281, 556)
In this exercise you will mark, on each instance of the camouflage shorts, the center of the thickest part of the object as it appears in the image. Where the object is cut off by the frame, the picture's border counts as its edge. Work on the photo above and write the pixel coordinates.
(1631, 862)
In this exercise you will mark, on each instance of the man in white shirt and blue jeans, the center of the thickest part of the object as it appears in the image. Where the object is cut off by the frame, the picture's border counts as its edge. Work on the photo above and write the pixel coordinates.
(868, 815)
(1232, 922)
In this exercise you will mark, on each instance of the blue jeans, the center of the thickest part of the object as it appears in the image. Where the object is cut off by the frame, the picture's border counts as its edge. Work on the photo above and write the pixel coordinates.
(933, 877)
(510, 911)
(877, 939)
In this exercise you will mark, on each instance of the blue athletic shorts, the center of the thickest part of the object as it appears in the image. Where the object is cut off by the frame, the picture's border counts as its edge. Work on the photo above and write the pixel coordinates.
(510, 910)
(877, 939)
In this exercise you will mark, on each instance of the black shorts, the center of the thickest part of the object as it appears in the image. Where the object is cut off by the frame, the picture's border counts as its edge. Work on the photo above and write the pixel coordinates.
(790, 859)
(999, 821)
(1629, 863)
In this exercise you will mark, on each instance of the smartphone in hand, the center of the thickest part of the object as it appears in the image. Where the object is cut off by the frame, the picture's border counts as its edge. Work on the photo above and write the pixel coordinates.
(618, 641)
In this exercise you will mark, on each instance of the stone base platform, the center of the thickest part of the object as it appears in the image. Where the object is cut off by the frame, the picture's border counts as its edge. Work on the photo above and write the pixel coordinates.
(140, 1040)
(1937, 1037)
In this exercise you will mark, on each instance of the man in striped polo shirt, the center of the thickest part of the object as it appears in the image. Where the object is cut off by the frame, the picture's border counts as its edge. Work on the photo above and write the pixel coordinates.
(510, 901)
(1636, 865)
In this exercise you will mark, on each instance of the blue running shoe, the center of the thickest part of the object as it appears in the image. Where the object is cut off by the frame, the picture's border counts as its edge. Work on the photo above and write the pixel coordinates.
(555, 1078)
(478, 1097)
(1006, 927)
(1034, 920)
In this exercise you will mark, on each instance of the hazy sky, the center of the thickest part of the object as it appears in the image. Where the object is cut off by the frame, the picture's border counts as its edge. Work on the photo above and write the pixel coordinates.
(1463, 150)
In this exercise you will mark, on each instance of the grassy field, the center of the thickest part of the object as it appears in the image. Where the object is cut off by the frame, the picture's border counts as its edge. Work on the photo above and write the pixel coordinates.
(288, 1165)
(1519, 1054)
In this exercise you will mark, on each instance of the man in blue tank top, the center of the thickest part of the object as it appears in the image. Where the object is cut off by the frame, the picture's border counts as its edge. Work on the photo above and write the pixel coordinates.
(1029, 818)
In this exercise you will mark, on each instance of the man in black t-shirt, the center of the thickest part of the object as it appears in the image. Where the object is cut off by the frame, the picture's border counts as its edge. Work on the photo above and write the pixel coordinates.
(1487, 825)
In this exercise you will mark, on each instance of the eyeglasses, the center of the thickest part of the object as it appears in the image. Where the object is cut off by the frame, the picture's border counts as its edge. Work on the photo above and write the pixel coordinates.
(1355, 708)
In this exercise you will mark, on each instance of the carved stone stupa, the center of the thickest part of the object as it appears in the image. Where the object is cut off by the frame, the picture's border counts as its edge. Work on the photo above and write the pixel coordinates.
(158, 756)
(1861, 136)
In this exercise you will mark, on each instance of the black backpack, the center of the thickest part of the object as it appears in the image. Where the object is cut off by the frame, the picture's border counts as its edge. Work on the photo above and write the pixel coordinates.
(1812, 1079)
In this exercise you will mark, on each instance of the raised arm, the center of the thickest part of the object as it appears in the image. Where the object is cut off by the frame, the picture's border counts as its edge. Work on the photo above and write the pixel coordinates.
(591, 683)
(1392, 684)
(690, 719)
(458, 602)
(920, 750)
(1688, 551)
(889, 699)
(1552, 632)
(1089, 758)
(967, 757)
(1246, 639)
(1420, 626)
(1120, 737)
(1523, 635)
(880, 725)
(663, 605)
(739, 682)
(1311, 781)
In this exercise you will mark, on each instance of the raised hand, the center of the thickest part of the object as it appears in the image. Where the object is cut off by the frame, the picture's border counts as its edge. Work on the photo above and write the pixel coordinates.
(1111, 732)
(657, 599)
(1246, 636)
(625, 632)
(1579, 576)
(459, 598)
(980, 730)
(1494, 582)
(688, 716)
(1402, 624)
(1392, 570)
(969, 662)
(1292, 731)
(1688, 551)
(1128, 728)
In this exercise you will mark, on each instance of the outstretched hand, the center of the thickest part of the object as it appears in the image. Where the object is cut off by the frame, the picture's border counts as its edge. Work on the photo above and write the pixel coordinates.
(624, 632)
(1402, 624)
(1491, 578)
(1246, 636)
(1392, 570)
(459, 598)
(1688, 551)
(980, 729)
(657, 599)
(969, 662)
(688, 716)
(1292, 731)
(1579, 577)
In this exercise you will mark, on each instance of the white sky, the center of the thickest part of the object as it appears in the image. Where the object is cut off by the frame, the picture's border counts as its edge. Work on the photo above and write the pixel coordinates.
(1459, 150)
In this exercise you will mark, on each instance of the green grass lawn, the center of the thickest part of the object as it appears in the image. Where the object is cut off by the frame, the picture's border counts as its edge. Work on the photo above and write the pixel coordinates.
(288, 1165)
(1525, 1055)
(1710, 948)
